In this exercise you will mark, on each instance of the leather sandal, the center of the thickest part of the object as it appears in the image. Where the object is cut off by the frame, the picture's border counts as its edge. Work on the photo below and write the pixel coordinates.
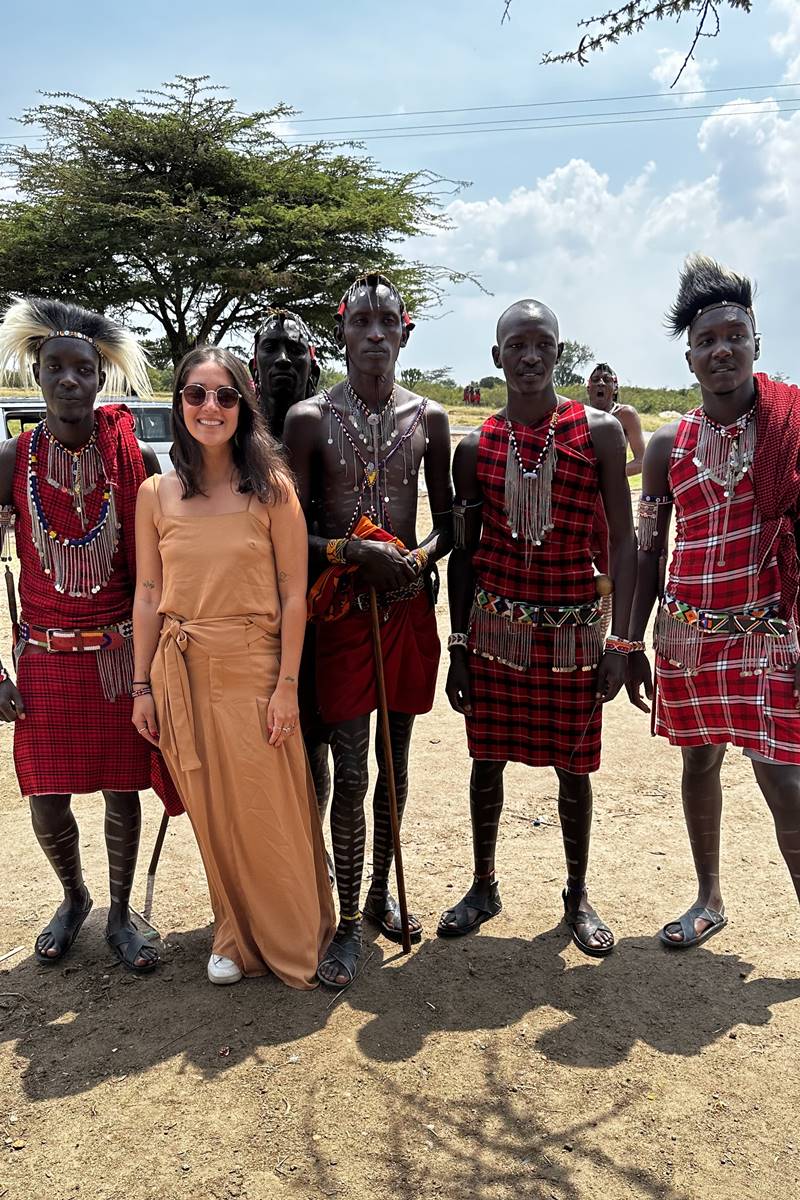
(685, 924)
(590, 925)
(485, 906)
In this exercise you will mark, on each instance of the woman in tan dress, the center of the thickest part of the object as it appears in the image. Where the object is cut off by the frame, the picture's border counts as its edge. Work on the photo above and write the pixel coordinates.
(219, 618)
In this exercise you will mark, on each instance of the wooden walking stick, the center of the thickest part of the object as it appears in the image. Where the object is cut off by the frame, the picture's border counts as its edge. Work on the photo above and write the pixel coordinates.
(386, 737)
(151, 870)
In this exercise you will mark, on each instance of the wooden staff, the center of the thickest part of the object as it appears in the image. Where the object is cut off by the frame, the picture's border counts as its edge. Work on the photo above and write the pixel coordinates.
(383, 717)
(151, 870)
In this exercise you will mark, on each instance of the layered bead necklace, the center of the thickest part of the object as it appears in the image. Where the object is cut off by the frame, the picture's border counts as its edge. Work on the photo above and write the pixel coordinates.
(79, 566)
(528, 491)
(373, 430)
(727, 454)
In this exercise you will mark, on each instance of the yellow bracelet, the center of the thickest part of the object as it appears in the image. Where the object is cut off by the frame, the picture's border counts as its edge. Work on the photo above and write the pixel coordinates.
(334, 551)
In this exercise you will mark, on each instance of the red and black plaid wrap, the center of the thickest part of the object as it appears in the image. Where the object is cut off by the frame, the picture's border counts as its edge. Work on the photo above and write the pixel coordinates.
(776, 477)
(73, 740)
(717, 703)
(537, 717)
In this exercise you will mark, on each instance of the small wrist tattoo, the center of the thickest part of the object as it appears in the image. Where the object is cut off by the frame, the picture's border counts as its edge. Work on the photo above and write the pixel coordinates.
(148, 583)
(289, 679)
(283, 576)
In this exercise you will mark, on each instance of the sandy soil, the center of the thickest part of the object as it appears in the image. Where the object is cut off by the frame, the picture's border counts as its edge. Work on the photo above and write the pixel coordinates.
(505, 1065)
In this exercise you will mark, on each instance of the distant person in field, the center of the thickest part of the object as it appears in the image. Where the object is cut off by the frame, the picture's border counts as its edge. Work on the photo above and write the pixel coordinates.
(467, 393)
(602, 389)
(529, 669)
(285, 371)
(727, 654)
(477, 395)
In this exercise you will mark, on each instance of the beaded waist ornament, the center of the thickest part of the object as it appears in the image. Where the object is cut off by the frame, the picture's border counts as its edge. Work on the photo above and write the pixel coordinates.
(502, 629)
(769, 642)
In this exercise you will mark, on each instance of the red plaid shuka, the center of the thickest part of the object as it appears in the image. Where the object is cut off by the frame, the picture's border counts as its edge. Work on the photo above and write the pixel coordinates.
(537, 717)
(717, 703)
(73, 740)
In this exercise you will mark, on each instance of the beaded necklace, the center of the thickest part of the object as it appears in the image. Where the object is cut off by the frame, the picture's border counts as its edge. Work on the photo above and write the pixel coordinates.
(370, 475)
(75, 472)
(363, 418)
(80, 566)
(727, 453)
(528, 492)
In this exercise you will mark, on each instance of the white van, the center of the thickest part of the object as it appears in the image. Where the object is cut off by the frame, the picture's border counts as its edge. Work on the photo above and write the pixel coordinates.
(152, 417)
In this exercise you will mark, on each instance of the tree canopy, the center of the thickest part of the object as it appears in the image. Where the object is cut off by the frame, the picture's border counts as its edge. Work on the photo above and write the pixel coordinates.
(607, 28)
(177, 206)
(574, 356)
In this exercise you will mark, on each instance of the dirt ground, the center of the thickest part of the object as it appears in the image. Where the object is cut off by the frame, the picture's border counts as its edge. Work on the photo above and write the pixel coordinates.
(504, 1065)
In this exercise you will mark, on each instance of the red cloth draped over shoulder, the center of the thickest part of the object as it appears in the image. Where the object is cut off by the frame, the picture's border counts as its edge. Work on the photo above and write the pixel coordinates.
(776, 479)
(345, 670)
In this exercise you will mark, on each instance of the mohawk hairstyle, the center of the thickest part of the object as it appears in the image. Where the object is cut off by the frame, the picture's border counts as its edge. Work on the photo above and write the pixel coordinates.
(370, 281)
(28, 323)
(705, 283)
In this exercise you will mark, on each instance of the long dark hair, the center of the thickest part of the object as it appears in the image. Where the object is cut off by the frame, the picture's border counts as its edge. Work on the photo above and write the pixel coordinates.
(258, 458)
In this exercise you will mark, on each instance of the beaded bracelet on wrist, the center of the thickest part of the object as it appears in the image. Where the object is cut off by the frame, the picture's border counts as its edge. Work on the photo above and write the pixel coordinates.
(619, 645)
(136, 692)
(3, 674)
(457, 639)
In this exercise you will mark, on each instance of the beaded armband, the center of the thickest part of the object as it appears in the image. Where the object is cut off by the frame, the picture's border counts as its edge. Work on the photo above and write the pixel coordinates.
(420, 556)
(334, 551)
(457, 639)
(460, 510)
(648, 518)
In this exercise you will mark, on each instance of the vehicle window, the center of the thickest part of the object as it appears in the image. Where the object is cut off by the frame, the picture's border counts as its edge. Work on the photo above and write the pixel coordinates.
(153, 424)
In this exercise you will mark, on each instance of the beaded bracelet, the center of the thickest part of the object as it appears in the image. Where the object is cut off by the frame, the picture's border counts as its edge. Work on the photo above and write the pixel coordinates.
(619, 645)
(334, 551)
(3, 674)
(457, 639)
(136, 692)
(420, 555)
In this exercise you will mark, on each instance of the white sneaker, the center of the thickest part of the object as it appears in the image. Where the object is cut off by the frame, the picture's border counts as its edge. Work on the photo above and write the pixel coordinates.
(223, 970)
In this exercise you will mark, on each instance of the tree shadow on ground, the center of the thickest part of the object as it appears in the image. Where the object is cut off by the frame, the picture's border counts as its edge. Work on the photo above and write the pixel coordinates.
(497, 1144)
(677, 1003)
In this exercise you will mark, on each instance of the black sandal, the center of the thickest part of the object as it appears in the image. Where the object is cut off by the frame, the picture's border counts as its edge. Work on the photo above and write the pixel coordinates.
(390, 907)
(127, 943)
(486, 907)
(63, 935)
(588, 922)
(686, 925)
(344, 952)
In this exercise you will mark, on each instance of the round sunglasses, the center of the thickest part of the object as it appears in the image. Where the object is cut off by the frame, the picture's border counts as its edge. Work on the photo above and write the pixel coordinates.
(196, 395)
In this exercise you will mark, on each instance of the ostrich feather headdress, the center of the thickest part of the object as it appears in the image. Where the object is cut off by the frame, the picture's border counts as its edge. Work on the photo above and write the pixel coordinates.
(29, 323)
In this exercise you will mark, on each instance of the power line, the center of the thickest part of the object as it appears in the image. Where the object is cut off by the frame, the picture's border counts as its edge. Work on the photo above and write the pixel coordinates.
(431, 112)
(456, 131)
(754, 87)
(511, 121)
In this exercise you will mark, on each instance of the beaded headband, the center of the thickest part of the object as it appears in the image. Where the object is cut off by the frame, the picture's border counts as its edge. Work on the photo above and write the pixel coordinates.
(361, 282)
(276, 314)
(69, 333)
(725, 304)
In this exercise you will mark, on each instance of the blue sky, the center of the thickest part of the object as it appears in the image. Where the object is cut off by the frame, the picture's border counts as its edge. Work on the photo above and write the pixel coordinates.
(594, 220)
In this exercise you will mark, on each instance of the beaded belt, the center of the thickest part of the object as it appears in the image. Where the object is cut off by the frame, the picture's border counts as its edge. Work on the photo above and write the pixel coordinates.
(552, 616)
(58, 641)
(387, 599)
(706, 620)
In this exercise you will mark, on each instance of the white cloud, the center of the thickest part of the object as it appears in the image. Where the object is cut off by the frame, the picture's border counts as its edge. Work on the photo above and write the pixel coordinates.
(693, 76)
(606, 258)
(787, 43)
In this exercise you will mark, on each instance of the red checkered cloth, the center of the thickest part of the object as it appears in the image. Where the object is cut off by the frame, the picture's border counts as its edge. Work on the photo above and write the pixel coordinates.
(776, 478)
(537, 716)
(74, 740)
(717, 704)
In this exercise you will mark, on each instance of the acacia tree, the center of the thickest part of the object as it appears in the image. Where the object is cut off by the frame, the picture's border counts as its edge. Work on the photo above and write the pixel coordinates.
(574, 356)
(177, 206)
(607, 28)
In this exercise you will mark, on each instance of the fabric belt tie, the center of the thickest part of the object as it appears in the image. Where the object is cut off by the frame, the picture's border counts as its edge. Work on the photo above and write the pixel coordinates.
(210, 637)
(386, 599)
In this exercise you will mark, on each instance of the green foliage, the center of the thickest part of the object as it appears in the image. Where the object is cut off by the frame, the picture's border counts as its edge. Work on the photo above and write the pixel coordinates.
(416, 377)
(177, 206)
(491, 381)
(568, 368)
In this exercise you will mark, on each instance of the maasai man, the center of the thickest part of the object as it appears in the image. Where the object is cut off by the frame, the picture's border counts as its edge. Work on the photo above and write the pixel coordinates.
(70, 486)
(726, 628)
(356, 451)
(602, 391)
(528, 668)
(285, 371)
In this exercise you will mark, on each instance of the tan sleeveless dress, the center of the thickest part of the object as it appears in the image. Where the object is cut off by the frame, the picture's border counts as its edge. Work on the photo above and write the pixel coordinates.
(251, 805)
